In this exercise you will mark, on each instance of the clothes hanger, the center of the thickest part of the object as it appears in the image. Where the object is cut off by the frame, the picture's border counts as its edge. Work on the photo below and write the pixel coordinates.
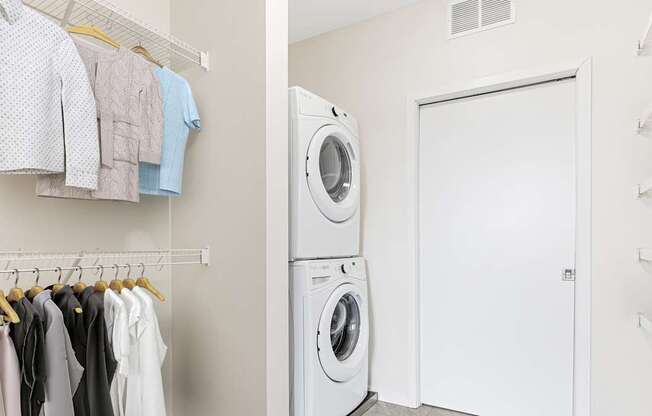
(130, 283)
(141, 50)
(16, 293)
(79, 286)
(36, 289)
(146, 284)
(58, 286)
(116, 284)
(10, 313)
(94, 32)
(101, 285)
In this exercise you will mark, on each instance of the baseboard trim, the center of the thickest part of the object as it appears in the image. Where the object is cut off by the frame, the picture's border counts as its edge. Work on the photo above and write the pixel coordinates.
(368, 403)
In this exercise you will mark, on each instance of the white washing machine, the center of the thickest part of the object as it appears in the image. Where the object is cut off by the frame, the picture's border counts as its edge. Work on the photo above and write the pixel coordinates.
(324, 179)
(330, 336)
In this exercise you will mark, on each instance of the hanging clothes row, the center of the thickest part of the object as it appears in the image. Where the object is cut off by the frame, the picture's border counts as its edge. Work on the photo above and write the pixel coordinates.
(92, 122)
(82, 351)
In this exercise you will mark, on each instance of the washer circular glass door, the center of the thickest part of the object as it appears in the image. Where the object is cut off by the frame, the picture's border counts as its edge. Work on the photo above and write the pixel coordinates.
(333, 173)
(343, 333)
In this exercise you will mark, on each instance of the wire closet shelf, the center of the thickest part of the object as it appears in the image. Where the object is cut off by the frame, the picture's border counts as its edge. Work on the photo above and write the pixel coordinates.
(13, 262)
(124, 28)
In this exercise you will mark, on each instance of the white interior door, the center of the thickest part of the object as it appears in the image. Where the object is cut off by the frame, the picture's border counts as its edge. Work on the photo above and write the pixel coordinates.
(497, 227)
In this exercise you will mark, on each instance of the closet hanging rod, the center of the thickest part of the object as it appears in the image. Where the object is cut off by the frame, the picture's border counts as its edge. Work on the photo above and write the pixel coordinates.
(97, 267)
(92, 256)
(98, 251)
(202, 256)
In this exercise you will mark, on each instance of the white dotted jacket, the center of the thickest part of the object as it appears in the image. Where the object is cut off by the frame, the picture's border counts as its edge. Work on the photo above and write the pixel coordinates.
(48, 120)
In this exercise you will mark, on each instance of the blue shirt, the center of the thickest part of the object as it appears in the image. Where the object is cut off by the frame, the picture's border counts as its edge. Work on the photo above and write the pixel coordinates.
(179, 116)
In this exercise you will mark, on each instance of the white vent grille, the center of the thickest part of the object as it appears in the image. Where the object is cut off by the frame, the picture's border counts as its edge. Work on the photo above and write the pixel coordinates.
(472, 16)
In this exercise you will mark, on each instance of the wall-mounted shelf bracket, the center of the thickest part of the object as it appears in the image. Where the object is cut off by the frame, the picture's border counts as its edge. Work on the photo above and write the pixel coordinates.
(645, 119)
(642, 43)
(643, 322)
(643, 189)
(644, 255)
(206, 256)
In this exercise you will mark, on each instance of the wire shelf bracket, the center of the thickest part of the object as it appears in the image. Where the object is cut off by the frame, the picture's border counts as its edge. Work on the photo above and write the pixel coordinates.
(643, 322)
(644, 255)
(124, 28)
(645, 119)
(643, 189)
(643, 41)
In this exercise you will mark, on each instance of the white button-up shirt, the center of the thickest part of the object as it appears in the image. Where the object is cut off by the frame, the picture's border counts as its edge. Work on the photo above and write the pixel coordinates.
(48, 120)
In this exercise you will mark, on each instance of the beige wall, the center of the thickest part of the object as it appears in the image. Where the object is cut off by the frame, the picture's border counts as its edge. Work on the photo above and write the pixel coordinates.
(219, 320)
(372, 67)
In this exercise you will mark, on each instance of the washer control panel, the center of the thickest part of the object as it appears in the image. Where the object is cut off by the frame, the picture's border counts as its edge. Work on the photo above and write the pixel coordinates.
(353, 268)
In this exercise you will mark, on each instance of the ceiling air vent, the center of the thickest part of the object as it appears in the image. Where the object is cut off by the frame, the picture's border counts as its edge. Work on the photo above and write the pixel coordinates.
(472, 16)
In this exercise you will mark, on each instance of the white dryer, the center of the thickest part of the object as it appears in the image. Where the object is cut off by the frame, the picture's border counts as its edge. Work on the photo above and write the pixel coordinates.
(330, 336)
(324, 179)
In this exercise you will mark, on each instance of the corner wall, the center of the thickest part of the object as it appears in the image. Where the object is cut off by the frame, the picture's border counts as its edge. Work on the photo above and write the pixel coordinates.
(371, 68)
(219, 313)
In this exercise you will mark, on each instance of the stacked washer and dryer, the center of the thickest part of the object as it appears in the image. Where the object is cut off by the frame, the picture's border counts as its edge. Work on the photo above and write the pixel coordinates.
(330, 322)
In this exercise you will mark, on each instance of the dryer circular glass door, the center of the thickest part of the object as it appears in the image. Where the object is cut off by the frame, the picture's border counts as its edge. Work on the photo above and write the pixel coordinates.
(333, 173)
(343, 333)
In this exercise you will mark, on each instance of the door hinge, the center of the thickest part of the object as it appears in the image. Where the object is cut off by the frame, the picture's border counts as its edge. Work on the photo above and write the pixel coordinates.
(568, 275)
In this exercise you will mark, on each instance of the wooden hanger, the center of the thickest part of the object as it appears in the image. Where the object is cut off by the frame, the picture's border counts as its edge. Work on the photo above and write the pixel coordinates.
(58, 286)
(146, 284)
(36, 289)
(145, 53)
(79, 286)
(101, 285)
(16, 293)
(130, 283)
(10, 313)
(116, 284)
(94, 32)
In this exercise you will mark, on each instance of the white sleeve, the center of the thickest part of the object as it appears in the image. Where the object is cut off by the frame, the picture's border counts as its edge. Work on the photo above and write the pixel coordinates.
(79, 119)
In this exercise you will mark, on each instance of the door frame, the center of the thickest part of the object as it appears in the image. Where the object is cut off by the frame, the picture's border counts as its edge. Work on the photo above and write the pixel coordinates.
(581, 70)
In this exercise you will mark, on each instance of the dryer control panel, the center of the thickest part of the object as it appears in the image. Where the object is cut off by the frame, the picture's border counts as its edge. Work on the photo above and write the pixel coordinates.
(310, 104)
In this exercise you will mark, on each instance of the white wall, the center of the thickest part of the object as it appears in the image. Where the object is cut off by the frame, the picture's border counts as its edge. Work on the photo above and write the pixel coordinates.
(278, 322)
(372, 67)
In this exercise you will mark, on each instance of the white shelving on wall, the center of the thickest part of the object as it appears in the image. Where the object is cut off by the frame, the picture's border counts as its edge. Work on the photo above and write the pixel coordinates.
(124, 28)
(16, 262)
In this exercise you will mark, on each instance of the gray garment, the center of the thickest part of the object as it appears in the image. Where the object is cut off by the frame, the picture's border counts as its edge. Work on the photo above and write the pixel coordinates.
(130, 114)
(62, 368)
